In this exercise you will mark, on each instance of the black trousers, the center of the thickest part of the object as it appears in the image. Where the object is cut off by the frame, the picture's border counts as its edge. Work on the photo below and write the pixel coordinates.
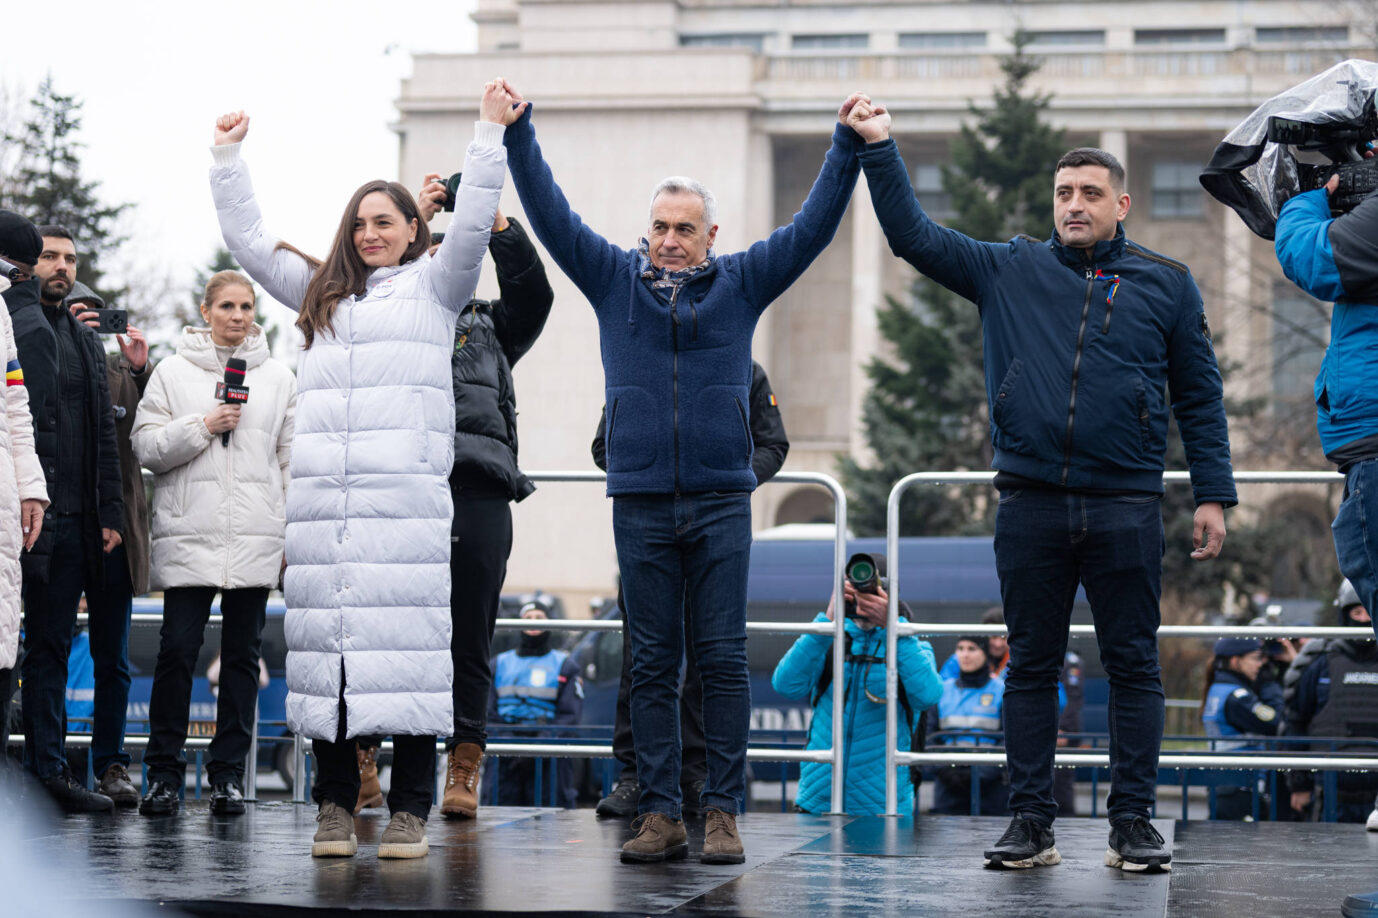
(694, 752)
(480, 544)
(185, 613)
(412, 788)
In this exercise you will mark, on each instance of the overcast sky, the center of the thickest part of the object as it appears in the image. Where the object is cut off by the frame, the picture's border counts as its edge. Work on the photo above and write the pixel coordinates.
(318, 80)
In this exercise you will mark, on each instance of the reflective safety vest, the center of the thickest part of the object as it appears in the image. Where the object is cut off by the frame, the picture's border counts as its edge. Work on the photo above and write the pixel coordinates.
(528, 687)
(1213, 716)
(974, 709)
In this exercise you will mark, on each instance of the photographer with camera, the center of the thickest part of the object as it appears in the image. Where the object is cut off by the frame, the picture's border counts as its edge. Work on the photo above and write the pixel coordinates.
(1336, 258)
(806, 671)
(69, 397)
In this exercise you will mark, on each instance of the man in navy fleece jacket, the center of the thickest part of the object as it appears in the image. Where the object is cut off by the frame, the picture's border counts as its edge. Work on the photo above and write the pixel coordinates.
(675, 323)
(1087, 340)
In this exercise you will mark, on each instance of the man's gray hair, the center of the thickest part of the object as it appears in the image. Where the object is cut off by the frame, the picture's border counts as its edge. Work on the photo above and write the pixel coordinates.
(679, 183)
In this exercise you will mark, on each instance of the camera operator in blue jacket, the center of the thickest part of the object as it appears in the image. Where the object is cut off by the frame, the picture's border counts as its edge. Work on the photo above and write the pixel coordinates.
(1337, 259)
(804, 672)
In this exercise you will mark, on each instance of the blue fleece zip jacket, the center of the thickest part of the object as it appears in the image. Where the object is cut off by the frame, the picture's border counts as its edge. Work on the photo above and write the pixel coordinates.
(1337, 259)
(1084, 352)
(796, 676)
(678, 373)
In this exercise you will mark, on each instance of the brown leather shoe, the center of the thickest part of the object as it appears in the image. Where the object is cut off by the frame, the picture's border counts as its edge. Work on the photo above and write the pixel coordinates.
(721, 843)
(370, 791)
(461, 781)
(658, 838)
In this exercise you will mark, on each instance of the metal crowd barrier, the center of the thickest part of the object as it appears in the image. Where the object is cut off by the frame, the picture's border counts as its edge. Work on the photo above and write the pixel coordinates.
(1066, 757)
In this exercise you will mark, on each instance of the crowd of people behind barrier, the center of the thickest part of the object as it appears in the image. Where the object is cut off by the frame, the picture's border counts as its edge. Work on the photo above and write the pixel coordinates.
(376, 485)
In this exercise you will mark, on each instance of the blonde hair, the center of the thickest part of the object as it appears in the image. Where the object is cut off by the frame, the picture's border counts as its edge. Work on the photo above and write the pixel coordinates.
(222, 279)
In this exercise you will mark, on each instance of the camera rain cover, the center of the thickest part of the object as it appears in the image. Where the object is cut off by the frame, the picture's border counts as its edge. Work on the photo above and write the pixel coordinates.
(1256, 176)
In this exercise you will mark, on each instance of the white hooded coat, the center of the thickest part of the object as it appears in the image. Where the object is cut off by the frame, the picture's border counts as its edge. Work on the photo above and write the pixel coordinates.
(218, 510)
(369, 506)
(21, 479)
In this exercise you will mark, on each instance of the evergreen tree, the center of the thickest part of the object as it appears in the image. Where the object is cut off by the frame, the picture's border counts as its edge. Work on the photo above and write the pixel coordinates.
(927, 404)
(47, 187)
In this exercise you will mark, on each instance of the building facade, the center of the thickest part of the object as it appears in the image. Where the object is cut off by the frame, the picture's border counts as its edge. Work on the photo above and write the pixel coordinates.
(742, 94)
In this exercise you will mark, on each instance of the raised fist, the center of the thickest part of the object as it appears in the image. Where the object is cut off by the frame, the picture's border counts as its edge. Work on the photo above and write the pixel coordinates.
(231, 128)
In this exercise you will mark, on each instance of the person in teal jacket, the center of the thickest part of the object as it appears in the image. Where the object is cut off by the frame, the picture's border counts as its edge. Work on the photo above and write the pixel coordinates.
(798, 675)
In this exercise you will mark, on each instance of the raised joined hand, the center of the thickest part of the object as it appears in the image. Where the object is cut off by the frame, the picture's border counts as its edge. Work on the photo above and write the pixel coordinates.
(501, 103)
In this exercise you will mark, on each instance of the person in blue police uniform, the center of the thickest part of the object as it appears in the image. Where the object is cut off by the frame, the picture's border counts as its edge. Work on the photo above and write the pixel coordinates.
(538, 686)
(1331, 690)
(1236, 718)
(969, 714)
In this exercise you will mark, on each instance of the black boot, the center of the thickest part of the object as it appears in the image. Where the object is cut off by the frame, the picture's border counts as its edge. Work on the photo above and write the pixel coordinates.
(73, 796)
(162, 799)
(227, 799)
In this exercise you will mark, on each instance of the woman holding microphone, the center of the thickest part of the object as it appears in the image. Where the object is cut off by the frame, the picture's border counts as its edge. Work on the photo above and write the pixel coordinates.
(369, 507)
(218, 519)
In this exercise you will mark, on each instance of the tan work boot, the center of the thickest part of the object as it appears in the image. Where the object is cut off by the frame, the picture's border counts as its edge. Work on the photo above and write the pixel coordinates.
(405, 836)
(335, 837)
(721, 843)
(658, 838)
(461, 781)
(370, 791)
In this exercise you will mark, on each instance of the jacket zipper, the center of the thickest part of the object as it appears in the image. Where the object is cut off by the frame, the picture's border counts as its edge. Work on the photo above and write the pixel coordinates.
(674, 343)
(229, 513)
(1076, 370)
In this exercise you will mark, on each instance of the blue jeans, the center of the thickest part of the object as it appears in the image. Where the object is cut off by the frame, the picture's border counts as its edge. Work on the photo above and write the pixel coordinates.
(110, 606)
(1356, 533)
(1046, 542)
(694, 547)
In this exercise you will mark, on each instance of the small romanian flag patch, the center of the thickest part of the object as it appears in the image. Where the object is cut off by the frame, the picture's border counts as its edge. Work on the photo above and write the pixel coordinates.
(14, 375)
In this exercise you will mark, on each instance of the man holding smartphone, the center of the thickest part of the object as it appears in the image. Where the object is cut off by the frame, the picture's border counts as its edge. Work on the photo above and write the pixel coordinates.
(74, 425)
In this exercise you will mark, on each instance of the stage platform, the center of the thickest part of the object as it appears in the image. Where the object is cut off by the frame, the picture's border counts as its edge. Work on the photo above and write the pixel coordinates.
(534, 861)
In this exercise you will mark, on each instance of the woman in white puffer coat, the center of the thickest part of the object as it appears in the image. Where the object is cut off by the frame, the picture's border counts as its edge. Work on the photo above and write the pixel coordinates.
(23, 498)
(369, 507)
(221, 473)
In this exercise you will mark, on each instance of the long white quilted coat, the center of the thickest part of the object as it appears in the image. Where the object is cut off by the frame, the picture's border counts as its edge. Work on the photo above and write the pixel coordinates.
(21, 478)
(369, 506)
(218, 510)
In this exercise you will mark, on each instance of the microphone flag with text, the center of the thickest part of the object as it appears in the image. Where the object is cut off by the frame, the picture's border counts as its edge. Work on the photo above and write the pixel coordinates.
(232, 391)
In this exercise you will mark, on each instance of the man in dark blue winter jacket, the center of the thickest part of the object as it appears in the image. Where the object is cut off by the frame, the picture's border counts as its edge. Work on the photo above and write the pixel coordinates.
(1337, 259)
(675, 323)
(1088, 338)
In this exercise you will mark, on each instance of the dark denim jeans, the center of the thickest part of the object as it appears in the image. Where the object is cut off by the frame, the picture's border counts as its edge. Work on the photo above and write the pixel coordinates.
(673, 549)
(50, 614)
(110, 606)
(1356, 532)
(1046, 542)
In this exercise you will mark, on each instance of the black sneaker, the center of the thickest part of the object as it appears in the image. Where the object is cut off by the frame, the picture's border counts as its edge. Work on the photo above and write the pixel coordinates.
(73, 796)
(1026, 843)
(162, 799)
(621, 803)
(227, 799)
(1136, 845)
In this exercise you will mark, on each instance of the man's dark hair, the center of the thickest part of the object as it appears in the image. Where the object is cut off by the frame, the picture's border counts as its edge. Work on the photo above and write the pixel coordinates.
(1089, 156)
(56, 232)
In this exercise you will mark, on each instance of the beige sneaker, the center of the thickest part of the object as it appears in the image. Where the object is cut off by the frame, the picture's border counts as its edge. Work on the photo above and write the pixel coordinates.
(658, 838)
(461, 781)
(370, 791)
(721, 843)
(405, 836)
(335, 836)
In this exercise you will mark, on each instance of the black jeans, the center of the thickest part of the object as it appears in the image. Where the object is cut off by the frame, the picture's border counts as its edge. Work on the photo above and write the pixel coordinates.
(412, 789)
(185, 613)
(694, 756)
(110, 606)
(480, 544)
(50, 615)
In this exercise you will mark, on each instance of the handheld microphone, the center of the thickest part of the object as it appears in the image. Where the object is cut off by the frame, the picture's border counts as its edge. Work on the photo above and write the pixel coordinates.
(232, 391)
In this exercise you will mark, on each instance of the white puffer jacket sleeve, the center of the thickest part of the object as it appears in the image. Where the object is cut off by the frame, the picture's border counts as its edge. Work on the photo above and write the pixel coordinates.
(28, 471)
(454, 271)
(282, 273)
(21, 479)
(163, 442)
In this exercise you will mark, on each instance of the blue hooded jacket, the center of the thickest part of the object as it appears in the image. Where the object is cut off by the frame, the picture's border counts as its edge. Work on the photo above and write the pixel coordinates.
(677, 375)
(1337, 259)
(1083, 351)
(796, 676)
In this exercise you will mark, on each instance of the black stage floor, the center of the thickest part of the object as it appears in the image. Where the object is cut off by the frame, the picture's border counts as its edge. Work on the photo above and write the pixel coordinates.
(553, 861)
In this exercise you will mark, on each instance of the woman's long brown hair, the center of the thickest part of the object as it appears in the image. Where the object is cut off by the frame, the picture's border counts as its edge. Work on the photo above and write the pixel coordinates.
(343, 273)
